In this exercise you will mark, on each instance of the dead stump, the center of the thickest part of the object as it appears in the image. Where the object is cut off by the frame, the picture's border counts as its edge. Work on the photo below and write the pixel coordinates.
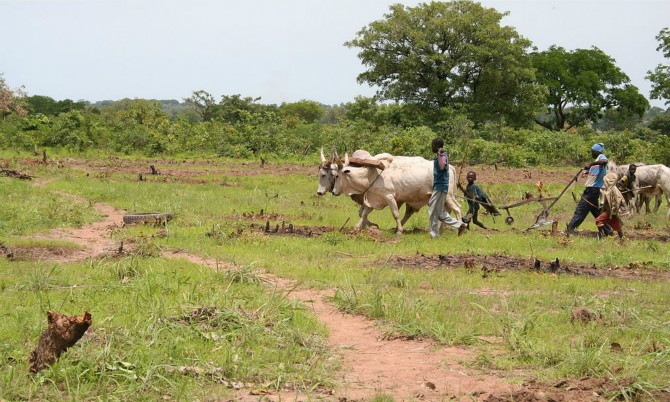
(63, 332)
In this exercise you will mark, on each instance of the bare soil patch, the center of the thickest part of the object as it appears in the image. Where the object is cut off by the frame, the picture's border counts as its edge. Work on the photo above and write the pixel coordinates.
(488, 174)
(497, 264)
(93, 237)
(373, 364)
(171, 170)
(39, 253)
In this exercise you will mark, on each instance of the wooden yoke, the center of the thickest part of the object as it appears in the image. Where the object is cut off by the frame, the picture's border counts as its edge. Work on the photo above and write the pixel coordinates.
(366, 162)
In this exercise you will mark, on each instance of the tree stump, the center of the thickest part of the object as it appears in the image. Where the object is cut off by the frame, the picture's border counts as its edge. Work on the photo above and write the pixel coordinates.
(62, 332)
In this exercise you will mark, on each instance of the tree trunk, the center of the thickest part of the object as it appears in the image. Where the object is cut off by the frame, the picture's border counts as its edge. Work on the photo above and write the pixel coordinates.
(63, 332)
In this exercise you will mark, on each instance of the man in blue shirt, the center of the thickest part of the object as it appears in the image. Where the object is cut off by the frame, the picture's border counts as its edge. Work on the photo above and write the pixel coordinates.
(436, 214)
(594, 182)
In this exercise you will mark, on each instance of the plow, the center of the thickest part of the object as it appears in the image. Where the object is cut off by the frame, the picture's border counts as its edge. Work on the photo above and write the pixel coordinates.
(547, 203)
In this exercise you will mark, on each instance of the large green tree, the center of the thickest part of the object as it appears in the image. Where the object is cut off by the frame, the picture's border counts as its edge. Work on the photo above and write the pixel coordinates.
(582, 84)
(660, 77)
(452, 55)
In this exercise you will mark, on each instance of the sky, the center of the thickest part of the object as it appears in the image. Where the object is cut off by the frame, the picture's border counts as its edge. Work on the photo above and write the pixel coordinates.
(278, 50)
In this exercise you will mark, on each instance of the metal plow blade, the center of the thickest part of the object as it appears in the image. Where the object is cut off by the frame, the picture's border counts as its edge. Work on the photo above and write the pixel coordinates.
(541, 224)
(542, 220)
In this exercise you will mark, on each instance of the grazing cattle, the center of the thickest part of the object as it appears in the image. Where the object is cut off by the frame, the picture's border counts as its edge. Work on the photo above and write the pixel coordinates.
(404, 180)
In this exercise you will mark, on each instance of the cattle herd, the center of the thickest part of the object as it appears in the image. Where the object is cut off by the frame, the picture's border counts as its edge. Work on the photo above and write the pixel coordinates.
(398, 180)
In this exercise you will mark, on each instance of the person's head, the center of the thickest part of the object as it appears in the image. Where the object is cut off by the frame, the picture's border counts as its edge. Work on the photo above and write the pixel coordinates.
(471, 177)
(597, 149)
(436, 144)
(632, 168)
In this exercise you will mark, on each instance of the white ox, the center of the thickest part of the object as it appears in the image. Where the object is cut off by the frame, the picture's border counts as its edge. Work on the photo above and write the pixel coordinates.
(645, 188)
(406, 180)
(656, 179)
(330, 170)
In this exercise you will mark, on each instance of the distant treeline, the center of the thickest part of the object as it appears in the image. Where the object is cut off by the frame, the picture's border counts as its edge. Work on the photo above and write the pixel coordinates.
(242, 127)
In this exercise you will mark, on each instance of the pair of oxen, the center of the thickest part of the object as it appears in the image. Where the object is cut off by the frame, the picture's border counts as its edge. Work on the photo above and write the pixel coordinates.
(403, 180)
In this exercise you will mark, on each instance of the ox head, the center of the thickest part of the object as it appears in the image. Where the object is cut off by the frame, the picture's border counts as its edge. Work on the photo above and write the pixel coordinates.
(328, 172)
(343, 170)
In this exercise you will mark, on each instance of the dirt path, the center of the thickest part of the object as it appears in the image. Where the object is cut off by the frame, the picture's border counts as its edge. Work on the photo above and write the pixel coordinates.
(93, 238)
(371, 365)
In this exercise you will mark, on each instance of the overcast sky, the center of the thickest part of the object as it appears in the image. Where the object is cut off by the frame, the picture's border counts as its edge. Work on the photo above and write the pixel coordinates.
(279, 50)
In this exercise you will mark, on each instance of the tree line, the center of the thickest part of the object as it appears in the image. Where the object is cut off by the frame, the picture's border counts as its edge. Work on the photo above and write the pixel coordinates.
(446, 69)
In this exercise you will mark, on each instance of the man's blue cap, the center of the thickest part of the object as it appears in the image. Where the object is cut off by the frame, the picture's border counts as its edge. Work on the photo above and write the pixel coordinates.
(599, 147)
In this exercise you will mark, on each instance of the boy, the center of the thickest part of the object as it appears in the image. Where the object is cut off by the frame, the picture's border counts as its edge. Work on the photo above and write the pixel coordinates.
(613, 205)
(436, 212)
(475, 196)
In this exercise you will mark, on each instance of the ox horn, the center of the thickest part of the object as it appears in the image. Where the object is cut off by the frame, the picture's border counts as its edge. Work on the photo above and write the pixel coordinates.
(346, 159)
(323, 158)
(336, 158)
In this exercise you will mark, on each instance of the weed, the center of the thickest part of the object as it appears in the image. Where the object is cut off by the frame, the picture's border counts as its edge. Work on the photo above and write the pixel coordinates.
(40, 277)
(145, 247)
(634, 391)
(246, 274)
(347, 300)
(333, 238)
(129, 267)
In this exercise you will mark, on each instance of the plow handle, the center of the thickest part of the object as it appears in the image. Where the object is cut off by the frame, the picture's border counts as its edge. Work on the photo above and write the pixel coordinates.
(564, 190)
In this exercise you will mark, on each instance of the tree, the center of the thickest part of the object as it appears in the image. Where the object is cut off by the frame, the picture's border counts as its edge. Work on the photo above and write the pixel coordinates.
(450, 55)
(305, 110)
(204, 104)
(11, 100)
(582, 84)
(661, 123)
(660, 77)
(49, 107)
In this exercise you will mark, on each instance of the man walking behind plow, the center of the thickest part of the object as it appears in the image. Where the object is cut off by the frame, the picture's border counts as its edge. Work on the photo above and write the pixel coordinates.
(591, 196)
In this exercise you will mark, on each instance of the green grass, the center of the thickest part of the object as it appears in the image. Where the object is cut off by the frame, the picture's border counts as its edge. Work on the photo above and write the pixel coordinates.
(517, 321)
(144, 331)
(27, 209)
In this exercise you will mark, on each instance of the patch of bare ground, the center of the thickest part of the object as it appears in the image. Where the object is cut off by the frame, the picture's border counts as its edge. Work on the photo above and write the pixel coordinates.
(489, 174)
(371, 364)
(172, 170)
(496, 264)
(93, 238)
(38, 253)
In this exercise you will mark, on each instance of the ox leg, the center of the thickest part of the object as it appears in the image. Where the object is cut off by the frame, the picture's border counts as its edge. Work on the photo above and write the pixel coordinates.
(367, 222)
(364, 216)
(409, 211)
(393, 205)
(659, 200)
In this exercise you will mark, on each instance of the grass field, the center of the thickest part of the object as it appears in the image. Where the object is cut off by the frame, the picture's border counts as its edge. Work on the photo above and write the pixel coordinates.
(151, 328)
